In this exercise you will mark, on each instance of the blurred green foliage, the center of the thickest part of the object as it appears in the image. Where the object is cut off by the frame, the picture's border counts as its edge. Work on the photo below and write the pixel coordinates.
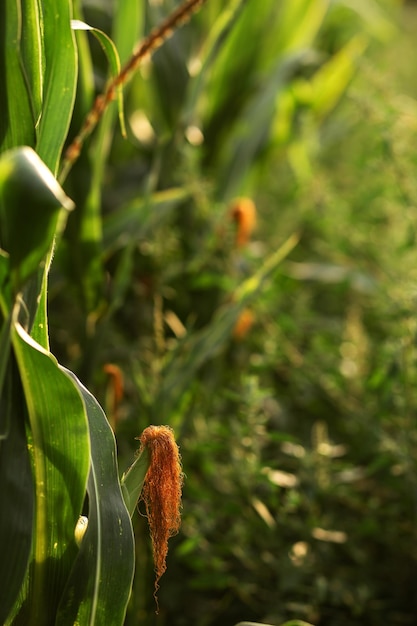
(297, 433)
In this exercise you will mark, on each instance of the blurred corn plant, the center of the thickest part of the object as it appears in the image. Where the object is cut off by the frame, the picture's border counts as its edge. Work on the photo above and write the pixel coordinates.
(160, 214)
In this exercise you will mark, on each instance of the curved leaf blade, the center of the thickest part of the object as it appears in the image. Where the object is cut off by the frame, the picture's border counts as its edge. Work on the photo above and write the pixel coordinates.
(59, 446)
(100, 583)
(112, 55)
(29, 194)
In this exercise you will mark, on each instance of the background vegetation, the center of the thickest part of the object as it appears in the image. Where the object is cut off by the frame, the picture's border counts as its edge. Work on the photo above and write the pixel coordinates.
(286, 364)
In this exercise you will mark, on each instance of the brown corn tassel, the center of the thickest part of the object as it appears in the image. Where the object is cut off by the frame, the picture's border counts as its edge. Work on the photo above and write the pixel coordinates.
(161, 492)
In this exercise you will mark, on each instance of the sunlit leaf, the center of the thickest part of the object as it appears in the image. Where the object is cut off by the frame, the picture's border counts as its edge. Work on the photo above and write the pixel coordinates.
(300, 22)
(59, 449)
(29, 194)
(331, 81)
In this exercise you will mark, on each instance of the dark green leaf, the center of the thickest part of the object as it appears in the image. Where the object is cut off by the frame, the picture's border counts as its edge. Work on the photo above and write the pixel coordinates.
(4, 362)
(16, 119)
(100, 583)
(16, 494)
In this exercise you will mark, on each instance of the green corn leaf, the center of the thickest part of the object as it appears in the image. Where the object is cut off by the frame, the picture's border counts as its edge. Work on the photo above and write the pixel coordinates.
(85, 80)
(235, 51)
(99, 586)
(29, 195)
(219, 32)
(16, 120)
(59, 447)
(32, 54)
(4, 362)
(254, 129)
(83, 257)
(6, 312)
(16, 494)
(39, 323)
(133, 479)
(128, 26)
(60, 80)
(377, 21)
(332, 80)
(300, 22)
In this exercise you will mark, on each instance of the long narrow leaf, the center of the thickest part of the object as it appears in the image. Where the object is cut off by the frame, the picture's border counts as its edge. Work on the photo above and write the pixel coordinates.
(29, 194)
(59, 448)
(4, 362)
(112, 55)
(16, 119)
(16, 495)
(32, 54)
(99, 587)
(332, 80)
(60, 80)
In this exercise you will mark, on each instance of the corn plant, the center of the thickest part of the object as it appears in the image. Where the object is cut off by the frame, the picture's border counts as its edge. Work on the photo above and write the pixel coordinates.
(65, 514)
(65, 529)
